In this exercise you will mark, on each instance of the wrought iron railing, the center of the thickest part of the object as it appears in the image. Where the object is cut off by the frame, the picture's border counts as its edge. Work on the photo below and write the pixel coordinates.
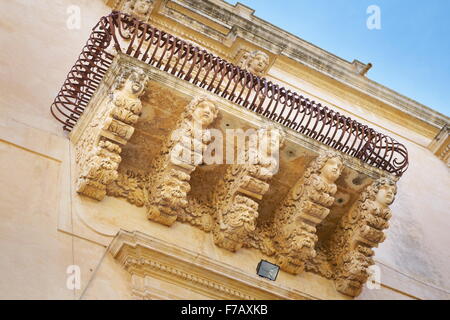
(186, 61)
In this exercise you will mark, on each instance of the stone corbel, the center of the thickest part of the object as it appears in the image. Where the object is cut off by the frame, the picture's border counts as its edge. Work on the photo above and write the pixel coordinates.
(306, 206)
(236, 203)
(171, 171)
(236, 208)
(360, 230)
(98, 150)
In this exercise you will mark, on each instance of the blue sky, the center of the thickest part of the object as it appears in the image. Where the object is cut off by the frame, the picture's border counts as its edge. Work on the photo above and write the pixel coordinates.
(410, 53)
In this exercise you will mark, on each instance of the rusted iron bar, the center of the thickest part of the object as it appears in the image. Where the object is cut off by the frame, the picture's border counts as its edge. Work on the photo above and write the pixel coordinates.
(182, 59)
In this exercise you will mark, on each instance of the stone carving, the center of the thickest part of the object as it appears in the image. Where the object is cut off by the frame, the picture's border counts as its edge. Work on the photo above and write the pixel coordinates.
(236, 200)
(141, 9)
(98, 150)
(198, 214)
(99, 170)
(182, 153)
(153, 264)
(360, 230)
(307, 204)
(255, 62)
(129, 185)
(440, 145)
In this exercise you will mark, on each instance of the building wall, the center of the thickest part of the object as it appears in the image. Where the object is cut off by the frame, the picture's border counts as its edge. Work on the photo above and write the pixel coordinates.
(42, 230)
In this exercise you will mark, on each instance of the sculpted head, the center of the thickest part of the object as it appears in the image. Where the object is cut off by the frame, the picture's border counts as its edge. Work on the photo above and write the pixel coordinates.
(332, 169)
(133, 81)
(202, 110)
(138, 8)
(328, 166)
(271, 137)
(383, 191)
(256, 62)
(142, 6)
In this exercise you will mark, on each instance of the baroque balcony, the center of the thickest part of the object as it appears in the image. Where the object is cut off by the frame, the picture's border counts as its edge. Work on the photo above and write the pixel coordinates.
(322, 210)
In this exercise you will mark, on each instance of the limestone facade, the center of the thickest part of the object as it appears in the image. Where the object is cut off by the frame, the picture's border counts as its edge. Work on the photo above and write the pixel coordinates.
(130, 198)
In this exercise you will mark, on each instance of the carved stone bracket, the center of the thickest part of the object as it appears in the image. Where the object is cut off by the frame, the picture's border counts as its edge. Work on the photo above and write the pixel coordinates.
(306, 206)
(181, 154)
(360, 230)
(236, 208)
(99, 170)
(98, 150)
(243, 185)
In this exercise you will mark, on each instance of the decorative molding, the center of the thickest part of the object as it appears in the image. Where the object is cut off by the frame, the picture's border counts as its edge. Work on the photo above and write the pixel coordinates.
(144, 257)
(440, 145)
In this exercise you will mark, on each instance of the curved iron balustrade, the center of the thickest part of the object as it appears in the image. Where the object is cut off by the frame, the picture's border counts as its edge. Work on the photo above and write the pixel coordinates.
(173, 55)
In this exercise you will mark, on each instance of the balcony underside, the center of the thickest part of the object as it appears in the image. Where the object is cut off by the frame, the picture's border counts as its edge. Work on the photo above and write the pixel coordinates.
(163, 103)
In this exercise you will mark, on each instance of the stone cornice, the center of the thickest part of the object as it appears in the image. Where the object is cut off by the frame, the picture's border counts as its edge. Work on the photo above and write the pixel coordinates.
(144, 255)
(242, 23)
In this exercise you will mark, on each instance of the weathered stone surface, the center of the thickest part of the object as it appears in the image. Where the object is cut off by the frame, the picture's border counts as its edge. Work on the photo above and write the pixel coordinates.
(98, 146)
(44, 220)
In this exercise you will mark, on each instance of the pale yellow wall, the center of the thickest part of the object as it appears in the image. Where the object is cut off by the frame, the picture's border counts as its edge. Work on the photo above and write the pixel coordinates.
(37, 52)
(39, 216)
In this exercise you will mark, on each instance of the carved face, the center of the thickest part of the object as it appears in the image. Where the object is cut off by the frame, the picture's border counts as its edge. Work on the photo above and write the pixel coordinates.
(134, 87)
(258, 63)
(331, 170)
(270, 140)
(204, 113)
(142, 6)
(386, 195)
